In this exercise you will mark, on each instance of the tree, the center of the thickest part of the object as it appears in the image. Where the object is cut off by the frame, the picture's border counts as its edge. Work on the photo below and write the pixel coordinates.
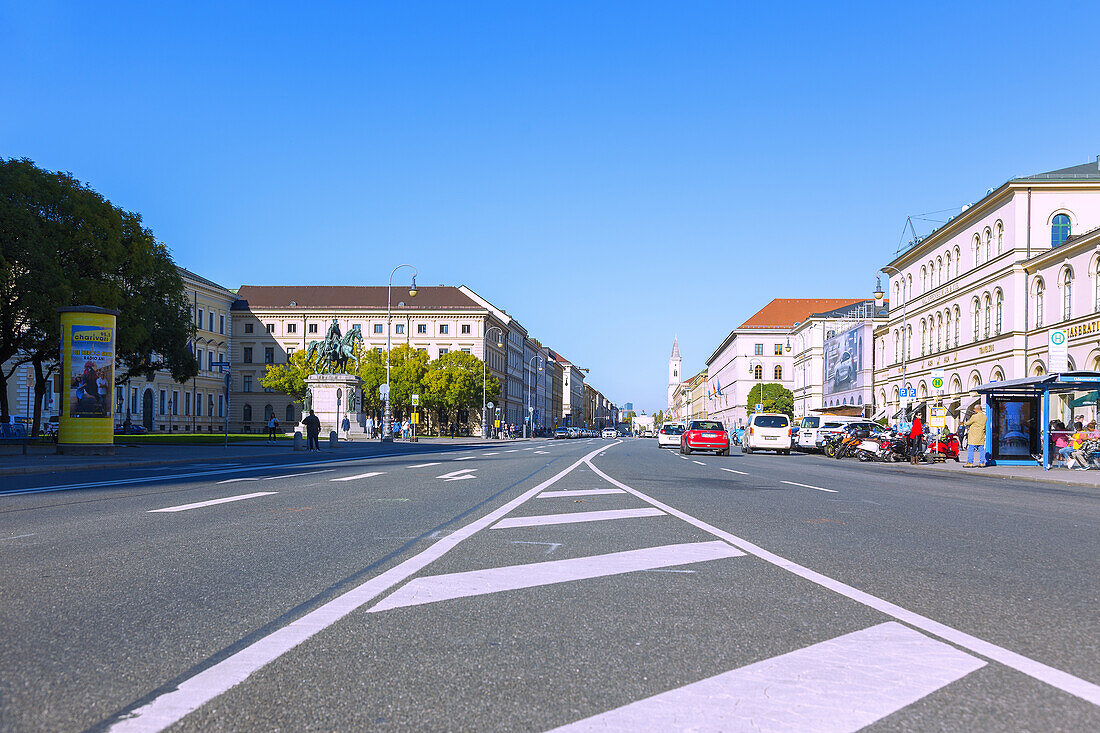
(62, 244)
(407, 369)
(777, 398)
(453, 382)
(659, 418)
(290, 378)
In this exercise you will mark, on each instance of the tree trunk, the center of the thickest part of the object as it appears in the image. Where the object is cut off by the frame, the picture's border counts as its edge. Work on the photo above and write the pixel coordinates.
(41, 383)
(5, 415)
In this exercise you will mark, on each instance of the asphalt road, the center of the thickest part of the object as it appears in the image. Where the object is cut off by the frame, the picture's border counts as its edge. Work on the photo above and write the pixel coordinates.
(600, 585)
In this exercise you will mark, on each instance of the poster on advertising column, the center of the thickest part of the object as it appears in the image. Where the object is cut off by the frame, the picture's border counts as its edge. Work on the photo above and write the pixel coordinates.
(88, 368)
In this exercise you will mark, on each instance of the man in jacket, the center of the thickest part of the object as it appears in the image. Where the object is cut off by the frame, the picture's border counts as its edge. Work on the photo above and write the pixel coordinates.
(313, 430)
(975, 438)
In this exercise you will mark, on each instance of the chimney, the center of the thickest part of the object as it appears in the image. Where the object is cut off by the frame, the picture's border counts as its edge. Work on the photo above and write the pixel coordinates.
(1098, 162)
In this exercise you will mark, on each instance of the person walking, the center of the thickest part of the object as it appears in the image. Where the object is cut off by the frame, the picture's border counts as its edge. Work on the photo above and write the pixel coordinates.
(975, 438)
(313, 431)
(272, 426)
(916, 438)
(346, 427)
(369, 427)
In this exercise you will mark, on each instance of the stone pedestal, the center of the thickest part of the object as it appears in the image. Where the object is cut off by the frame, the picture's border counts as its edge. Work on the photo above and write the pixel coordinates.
(331, 396)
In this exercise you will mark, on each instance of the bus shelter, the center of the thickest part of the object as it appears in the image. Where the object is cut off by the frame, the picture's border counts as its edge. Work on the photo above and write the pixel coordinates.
(1018, 417)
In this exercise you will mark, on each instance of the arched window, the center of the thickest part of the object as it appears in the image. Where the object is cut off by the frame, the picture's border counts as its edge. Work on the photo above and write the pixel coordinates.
(269, 412)
(1000, 234)
(958, 319)
(939, 331)
(999, 313)
(758, 372)
(988, 245)
(909, 342)
(246, 415)
(777, 373)
(908, 287)
(947, 329)
(897, 295)
(1059, 230)
(923, 279)
(290, 417)
(1040, 290)
(923, 335)
(958, 261)
(1096, 278)
(1067, 295)
(947, 264)
(939, 271)
(976, 309)
(976, 245)
(897, 346)
(988, 315)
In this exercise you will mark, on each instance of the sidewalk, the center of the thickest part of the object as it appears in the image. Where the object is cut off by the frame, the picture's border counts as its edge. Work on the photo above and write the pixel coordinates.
(43, 459)
(1020, 473)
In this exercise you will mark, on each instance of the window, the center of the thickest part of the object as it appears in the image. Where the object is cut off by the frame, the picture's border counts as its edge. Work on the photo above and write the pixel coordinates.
(422, 328)
(210, 404)
(247, 386)
(1096, 279)
(163, 401)
(211, 317)
(271, 328)
(779, 349)
(312, 328)
(947, 264)
(758, 372)
(444, 328)
(292, 328)
(269, 355)
(399, 328)
(221, 323)
(1000, 237)
(1067, 295)
(923, 336)
(175, 402)
(1040, 290)
(248, 328)
(939, 271)
(999, 313)
(988, 315)
(247, 355)
(466, 351)
(246, 413)
(897, 347)
(758, 349)
(939, 332)
(909, 342)
(976, 245)
(777, 373)
(357, 327)
(186, 403)
(465, 328)
(378, 328)
(1059, 230)
(443, 351)
(958, 318)
(924, 279)
(221, 405)
(988, 245)
(210, 361)
(198, 321)
(947, 329)
(977, 313)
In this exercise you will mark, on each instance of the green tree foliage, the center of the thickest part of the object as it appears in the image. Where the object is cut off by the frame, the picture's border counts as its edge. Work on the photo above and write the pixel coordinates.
(659, 418)
(290, 378)
(777, 398)
(62, 244)
(453, 382)
(407, 369)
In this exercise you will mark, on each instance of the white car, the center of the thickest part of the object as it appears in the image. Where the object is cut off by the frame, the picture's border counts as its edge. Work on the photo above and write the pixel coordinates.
(832, 425)
(767, 431)
(610, 433)
(669, 435)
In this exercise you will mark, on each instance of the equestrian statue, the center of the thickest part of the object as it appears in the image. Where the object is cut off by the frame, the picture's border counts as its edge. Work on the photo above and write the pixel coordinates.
(335, 351)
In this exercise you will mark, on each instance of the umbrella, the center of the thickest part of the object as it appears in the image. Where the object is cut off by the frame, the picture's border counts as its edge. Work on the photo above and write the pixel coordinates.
(1089, 398)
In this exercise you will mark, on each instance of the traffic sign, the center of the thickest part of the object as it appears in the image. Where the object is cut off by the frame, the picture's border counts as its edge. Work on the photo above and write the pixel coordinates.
(416, 400)
(937, 379)
(219, 364)
(759, 406)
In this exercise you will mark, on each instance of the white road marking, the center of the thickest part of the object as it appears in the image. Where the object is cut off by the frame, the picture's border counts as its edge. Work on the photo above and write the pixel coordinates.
(15, 537)
(224, 500)
(573, 517)
(359, 476)
(235, 480)
(528, 449)
(514, 450)
(732, 471)
(490, 454)
(513, 577)
(807, 486)
(1054, 677)
(840, 685)
(459, 475)
(699, 463)
(578, 492)
(190, 694)
(540, 453)
(425, 465)
(295, 475)
(467, 458)
(552, 545)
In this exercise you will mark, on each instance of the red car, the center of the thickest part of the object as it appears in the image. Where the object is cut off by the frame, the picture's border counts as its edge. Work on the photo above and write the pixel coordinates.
(705, 435)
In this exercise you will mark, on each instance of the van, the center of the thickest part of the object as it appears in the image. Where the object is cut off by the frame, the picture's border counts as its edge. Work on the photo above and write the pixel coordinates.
(767, 431)
(831, 425)
(810, 437)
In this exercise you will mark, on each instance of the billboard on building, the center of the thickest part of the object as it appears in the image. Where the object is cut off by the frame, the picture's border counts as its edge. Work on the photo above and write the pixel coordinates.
(843, 362)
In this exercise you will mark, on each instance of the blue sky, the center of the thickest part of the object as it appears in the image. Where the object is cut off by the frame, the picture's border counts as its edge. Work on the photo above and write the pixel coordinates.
(612, 174)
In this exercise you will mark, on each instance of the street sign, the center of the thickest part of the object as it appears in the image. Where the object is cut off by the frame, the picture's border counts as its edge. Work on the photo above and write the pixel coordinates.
(937, 417)
(496, 423)
(530, 409)
(759, 406)
(220, 364)
(937, 379)
(909, 393)
(1058, 351)
(416, 418)
(416, 400)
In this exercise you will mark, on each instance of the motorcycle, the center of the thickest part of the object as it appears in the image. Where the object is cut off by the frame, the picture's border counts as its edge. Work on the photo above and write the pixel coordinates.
(831, 443)
(849, 442)
(941, 447)
(892, 447)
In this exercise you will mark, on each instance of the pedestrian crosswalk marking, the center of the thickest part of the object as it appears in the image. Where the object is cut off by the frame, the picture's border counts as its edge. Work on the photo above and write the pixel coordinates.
(514, 577)
(840, 685)
(573, 517)
(578, 492)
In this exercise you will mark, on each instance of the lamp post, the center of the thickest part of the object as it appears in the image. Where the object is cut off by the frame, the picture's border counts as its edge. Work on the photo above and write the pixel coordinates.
(879, 296)
(530, 411)
(485, 353)
(387, 433)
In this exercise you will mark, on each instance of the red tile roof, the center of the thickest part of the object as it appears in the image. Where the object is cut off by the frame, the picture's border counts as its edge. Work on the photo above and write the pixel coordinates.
(785, 312)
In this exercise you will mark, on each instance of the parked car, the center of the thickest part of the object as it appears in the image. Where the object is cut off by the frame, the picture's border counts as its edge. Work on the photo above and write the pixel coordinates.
(807, 436)
(610, 433)
(836, 425)
(768, 431)
(669, 435)
(560, 433)
(705, 435)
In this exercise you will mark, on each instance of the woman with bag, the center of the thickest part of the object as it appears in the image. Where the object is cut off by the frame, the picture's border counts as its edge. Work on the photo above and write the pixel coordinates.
(916, 438)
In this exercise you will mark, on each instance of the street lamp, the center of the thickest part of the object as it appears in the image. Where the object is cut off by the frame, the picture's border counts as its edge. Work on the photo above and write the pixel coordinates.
(530, 411)
(387, 433)
(485, 353)
(879, 296)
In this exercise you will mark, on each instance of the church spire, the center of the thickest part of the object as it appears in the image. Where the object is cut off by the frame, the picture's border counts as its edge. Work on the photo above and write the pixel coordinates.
(675, 347)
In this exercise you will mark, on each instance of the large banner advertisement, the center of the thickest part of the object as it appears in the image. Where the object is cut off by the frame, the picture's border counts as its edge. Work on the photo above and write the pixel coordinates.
(88, 366)
(843, 361)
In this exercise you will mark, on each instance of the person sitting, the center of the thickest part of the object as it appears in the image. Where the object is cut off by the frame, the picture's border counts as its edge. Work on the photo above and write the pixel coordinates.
(1077, 458)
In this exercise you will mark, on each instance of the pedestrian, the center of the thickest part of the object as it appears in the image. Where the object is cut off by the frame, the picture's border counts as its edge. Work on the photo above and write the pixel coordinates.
(313, 430)
(452, 431)
(396, 429)
(346, 427)
(406, 429)
(369, 427)
(975, 438)
(272, 426)
(916, 437)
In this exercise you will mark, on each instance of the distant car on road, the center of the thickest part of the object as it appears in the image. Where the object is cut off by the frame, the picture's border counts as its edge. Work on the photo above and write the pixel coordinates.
(768, 431)
(562, 432)
(669, 435)
(610, 433)
(705, 435)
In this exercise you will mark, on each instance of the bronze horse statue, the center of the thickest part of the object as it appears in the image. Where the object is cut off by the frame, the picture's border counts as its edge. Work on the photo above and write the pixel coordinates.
(334, 352)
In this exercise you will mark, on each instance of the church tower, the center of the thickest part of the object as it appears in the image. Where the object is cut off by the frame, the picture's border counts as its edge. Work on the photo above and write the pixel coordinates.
(673, 371)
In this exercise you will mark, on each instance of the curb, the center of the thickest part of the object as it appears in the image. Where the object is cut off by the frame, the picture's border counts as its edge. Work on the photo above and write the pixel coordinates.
(1032, 479)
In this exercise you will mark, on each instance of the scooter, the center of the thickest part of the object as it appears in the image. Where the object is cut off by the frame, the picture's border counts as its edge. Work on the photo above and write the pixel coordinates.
(942, 447)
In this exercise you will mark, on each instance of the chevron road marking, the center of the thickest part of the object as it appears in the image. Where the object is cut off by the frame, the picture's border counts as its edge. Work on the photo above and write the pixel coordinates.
(225, 500)
(573, 517)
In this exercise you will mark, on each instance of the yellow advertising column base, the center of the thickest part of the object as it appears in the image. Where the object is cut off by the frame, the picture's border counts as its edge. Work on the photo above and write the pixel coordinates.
(87, 420)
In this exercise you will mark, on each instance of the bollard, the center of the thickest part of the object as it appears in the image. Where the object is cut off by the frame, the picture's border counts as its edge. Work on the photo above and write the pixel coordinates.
(333, 439)
(299, 443)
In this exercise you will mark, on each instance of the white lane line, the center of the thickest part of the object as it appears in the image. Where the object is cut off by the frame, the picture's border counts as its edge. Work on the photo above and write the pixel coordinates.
(513, 577)
(15, 537)
(425, 465)
(295, 475)
(190, 694)
(699, 463)
(540, 453)
(489, 454)
(235, 480)
(685, 458)
(197, 504)
(578, 492)
(467, 458)
(514, 450)
(572, 517)
(528, 449)
(1054, 677)
(807, 486)
(358, 476)
(843, 684)
(730, 470)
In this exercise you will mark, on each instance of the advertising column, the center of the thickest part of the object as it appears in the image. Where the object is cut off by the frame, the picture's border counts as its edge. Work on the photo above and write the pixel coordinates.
(88, 368)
